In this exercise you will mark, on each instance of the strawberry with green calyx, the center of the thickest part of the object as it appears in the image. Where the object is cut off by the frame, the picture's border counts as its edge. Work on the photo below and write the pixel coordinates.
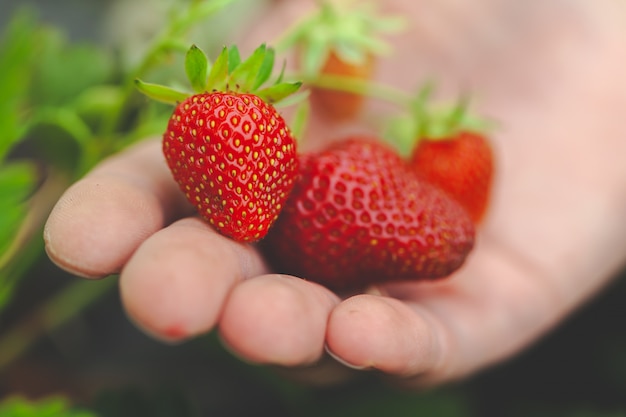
(358, 216)
(340, 41)
(229, 150)
(449, 148)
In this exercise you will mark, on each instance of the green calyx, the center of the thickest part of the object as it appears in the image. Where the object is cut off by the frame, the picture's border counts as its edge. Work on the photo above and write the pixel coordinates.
(228, 73)
(426, 121)
(350, 31)
(440, 123)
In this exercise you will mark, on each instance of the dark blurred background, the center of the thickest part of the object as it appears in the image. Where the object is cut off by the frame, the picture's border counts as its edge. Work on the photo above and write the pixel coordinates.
(82, 19)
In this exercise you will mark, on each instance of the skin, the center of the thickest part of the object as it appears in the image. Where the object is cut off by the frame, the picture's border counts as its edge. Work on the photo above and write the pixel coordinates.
(549, 73)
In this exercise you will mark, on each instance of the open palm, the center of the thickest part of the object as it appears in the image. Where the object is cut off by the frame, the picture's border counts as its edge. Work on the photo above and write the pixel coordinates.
(550, 73)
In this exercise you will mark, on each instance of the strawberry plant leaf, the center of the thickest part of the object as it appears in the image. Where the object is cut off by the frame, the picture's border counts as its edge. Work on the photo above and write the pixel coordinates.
(95, 101)
(278, 92)
(65, 119)
(15, 406)
(16, 183)
(219, 72)
(17, 53)
(160, 92)
(65, 69)
(196, 67)
(62, 138)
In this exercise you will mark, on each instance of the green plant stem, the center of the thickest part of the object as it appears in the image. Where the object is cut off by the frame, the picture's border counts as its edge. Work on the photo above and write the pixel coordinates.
(39, 207)
(61, 307)
(128, 87)
(168, 40)
(358, 86)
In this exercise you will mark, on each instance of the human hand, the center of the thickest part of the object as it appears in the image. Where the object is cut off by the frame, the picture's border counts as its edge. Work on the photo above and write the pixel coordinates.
(549, 73)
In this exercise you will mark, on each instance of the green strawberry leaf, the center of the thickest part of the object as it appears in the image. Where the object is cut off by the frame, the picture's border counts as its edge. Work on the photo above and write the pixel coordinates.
(18, 51)
(16, 182)
(265, 71)
(438, 121)
(278, 92)
(400, 133)
(350, 52)
(353, 33)
(94, 103)
(244, 76)
(228, 72)
(160, 93)
(315, 54)
(196, 67)
(218, 75)
(293, 99)
(66, 69)
(15, 406)
(60, 137)
(234, 58)
(281, 75)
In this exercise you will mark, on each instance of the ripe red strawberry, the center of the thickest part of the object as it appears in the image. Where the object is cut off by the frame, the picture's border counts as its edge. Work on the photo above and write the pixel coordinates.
(450, 149)
(358, 215)
(230, 151)
(461, 164)
(234, 158)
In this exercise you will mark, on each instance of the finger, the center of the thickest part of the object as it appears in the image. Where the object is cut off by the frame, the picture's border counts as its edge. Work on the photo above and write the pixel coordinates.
(277, 319)
(428, 333)
(373, 332)
(176, 283)
(100, 221)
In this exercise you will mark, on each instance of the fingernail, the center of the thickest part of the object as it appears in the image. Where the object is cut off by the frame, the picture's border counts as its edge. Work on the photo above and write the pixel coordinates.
(344, 363)
(375, 290)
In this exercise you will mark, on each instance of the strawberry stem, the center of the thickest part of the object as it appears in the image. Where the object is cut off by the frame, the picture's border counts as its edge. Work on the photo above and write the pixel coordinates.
(359, 86)
(169, 39)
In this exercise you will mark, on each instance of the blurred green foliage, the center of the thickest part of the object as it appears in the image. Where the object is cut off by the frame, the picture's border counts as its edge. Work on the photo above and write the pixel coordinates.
(64, 106)
(46, 138)
(49, 407)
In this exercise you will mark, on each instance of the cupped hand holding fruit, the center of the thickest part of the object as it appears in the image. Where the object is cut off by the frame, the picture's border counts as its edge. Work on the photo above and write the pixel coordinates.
(553, 236)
